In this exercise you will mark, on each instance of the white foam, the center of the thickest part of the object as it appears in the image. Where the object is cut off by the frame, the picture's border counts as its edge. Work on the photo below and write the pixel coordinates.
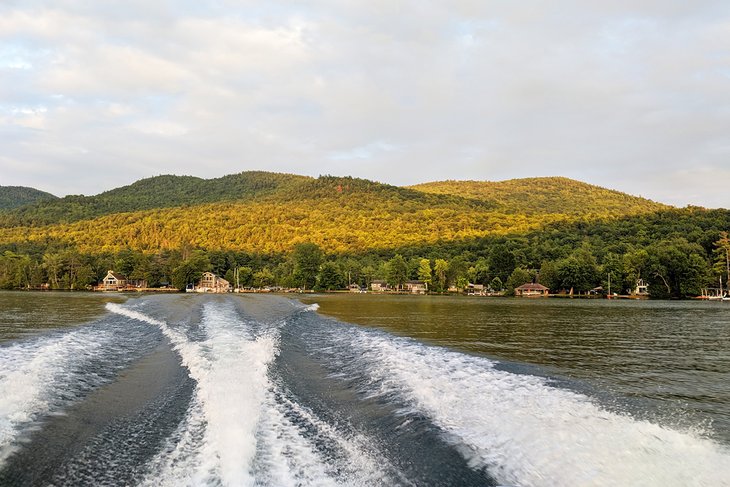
(230, 369)
(238, 429)
(312, 307)
(528, 433)
(38, 376)
(288, 458)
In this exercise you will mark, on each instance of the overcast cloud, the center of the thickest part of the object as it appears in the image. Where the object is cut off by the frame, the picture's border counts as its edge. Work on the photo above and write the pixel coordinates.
(631, 95)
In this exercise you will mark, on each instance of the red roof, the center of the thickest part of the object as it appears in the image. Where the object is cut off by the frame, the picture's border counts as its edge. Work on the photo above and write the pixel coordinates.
(531, 286)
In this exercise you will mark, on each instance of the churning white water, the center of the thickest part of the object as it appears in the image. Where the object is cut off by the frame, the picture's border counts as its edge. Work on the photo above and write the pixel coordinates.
(526, 432)
(238, 430)
(305, 401)
(42, 375)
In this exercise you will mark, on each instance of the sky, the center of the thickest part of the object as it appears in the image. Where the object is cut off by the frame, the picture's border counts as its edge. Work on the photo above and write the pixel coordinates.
(629, 95)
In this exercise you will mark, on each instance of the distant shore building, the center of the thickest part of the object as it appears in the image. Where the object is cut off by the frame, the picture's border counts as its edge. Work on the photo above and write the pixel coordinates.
(416, 287)
(531, 290)
(379, 286)
(117, 282)
(475, 289)
(113, 282)
(210, 283)
(641, 289)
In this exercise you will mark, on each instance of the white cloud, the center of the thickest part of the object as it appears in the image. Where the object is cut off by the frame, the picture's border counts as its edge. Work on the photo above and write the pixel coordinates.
(620, 94)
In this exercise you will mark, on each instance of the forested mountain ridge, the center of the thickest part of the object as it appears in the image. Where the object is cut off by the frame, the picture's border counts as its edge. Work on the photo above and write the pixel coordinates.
(556, 196)
(545, 195)
(268, 212)
(164, 191)
(17, 196)
(569, 235)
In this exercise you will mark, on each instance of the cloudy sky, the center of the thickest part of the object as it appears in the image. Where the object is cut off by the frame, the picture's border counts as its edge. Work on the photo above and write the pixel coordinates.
(631, 95)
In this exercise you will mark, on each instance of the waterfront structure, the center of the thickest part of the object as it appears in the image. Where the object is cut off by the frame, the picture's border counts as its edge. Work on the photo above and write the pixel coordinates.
(379, 286)
(210, 283)
(113, 282)
(531, 289)
(416, 287)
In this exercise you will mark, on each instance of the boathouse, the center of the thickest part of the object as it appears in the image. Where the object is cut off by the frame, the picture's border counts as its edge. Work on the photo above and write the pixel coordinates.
(531, 290)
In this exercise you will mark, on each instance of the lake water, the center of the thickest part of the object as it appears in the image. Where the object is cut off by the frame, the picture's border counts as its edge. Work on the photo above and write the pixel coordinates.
(364, 390)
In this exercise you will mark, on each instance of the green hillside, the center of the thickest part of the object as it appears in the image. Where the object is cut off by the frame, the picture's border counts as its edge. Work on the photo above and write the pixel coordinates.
(265, 212)
(165, 229)
(17, 196)
(156, 192)
(545, 195)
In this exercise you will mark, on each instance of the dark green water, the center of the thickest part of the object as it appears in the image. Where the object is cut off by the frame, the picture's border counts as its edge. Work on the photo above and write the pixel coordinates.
(230, 390)
(673, 355)
(28, 313)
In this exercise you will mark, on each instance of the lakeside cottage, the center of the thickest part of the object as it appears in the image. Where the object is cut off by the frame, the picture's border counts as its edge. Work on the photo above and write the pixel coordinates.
(113, 282)
(210, 283)
(531, 290)
(641, 289)
(475, 289)
(416, 287)
(117, 282)
(379, 286)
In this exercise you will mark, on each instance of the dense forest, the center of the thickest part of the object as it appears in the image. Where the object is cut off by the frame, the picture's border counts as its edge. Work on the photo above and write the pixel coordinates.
(294, 231)
(18, 196)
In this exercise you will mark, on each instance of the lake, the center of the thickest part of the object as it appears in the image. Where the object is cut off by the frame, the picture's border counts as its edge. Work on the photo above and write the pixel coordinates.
(344, 389)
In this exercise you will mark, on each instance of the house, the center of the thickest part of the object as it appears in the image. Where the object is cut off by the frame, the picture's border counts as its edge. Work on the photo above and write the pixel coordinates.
(641, 289)
(113, 282)
(379, 286)
(210, 283)
(416, 287)
(475, 289)
(531, 290)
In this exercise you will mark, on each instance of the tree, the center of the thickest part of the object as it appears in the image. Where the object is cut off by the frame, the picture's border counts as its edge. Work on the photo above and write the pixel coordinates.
(440, 270)
(424, 271)
(677, 269)
(263, 278)
(190, 270)
(722, 256)
(307, 258)
(501, 262)
(397, 271)
(479, 272)
(519, 277)
(579, 272)
(330, 277)
(548, 275)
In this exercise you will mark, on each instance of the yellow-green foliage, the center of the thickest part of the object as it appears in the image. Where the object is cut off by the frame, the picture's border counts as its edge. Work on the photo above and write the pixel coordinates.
(342, 215)
(546, 195)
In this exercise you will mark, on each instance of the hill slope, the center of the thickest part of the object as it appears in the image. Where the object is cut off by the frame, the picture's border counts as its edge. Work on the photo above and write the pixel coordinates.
(156, 192)
(545, 195)
(17, 196)
(264, 212)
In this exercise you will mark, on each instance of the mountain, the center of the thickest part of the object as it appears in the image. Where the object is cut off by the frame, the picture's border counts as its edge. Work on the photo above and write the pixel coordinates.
(270, 213)
(545, 195)
(156, 192)
(17, 196)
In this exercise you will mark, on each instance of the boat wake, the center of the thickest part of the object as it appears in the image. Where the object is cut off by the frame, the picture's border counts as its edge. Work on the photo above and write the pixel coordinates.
(294, 399)
(242, 427)
(522, 430)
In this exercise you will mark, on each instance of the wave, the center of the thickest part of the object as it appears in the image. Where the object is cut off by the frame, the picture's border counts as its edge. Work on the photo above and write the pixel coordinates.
(45, 374)
(524, 431)
(242, 428)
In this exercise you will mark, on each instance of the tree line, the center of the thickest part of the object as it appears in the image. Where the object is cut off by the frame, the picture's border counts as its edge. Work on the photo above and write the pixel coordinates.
(673, 267)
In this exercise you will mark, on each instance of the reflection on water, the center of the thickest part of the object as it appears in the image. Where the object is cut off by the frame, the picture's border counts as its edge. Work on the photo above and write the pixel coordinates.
(675, 355)
(27, 313)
